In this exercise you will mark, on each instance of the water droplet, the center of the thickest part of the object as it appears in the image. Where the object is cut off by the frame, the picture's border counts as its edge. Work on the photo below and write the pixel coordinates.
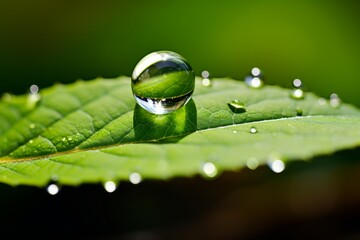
(252, 163)
(205, 74)
(255, 78)
(322, 101)
(53, 189)
(110, 186)
(135, 178)
(162, 82)
(335, 101)
(209, 169)
(206, 82)
(236, 106)
(297, 92)
(34, 89)
(253, 130)
(276, 165)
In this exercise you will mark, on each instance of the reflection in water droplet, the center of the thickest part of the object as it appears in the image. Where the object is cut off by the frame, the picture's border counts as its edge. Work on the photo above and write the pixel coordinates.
(253, 130)
(255, 78)
(162, 82)
(34, 89)
(110, 186)
(209, 169)
(135, 178)
(252, 163)
(53, 189)
(236, 106)
(277, 165)
(335, 101)
(297, 83)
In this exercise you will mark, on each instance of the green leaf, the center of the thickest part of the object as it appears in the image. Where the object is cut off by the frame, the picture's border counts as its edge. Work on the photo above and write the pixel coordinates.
(93, 131)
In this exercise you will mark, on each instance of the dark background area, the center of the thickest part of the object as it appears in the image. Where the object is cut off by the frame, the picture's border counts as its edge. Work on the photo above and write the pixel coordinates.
(45, 42)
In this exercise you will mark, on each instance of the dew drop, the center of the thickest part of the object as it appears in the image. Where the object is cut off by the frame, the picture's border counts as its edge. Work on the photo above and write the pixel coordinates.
(252, 163)
(34, 89)
(53, 189)
(206, 82)
(110, 186)
(335, 101)
(255, 78)
(135, 178)
(209, 169)
(253, 130)
(297, 92)
(276, 165)
(205, 74)
(322, 101)
(236, 106)
(162, 82)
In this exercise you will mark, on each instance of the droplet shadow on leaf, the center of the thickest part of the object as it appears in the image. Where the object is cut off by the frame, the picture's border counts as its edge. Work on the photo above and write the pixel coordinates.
(165, 128)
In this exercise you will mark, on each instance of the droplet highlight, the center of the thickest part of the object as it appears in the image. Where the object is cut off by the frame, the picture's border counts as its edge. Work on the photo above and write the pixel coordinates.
(34, 89)
(277, 165)
(135, 178)
(253, 130)
(53, 189)
(210, 169)
(255, 78)
(236, 106)
(162, 82)
(110, 186)
(335, 101)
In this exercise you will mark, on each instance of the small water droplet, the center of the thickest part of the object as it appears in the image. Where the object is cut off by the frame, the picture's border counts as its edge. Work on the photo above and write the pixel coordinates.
(206, 82)
(205, 74)
(297, 92)
(34, 89)
(135, 178)
(253, 130)
(53, 189)
(162, 82)
(110, 186)
(335, 101)
(322, 101)
(276, 165)
(236, 106)
(255, 78)
(252, 163)
(209, 169)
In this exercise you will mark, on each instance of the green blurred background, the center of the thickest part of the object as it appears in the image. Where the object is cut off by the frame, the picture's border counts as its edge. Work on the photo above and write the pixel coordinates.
(45, 42)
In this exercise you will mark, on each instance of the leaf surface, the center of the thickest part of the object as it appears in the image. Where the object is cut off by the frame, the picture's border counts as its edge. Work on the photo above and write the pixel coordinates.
(90, 132)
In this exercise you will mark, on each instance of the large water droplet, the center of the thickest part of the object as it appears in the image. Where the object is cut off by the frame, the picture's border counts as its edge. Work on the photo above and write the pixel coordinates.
(162, 82)
(210, 169)
(335, 101)
(255, 78)
(135, 178)
(236, 106)
(110, 186)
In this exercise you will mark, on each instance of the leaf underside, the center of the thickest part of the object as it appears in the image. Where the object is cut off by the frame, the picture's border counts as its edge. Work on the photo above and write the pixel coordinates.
(90, 132)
